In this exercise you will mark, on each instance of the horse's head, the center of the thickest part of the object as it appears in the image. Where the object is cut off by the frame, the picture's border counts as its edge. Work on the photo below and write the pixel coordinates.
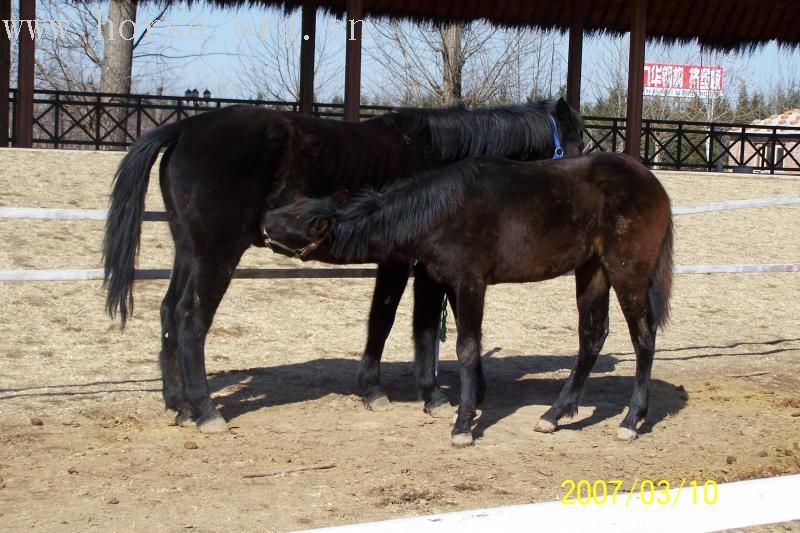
(562, 128)
(570, 128)
(300, 227)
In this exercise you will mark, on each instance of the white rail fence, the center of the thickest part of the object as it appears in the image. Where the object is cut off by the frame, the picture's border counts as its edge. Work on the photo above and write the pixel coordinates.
(289, 273)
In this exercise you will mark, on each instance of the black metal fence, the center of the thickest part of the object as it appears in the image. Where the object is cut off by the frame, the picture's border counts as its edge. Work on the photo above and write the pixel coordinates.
(682, 145)
(111, 121)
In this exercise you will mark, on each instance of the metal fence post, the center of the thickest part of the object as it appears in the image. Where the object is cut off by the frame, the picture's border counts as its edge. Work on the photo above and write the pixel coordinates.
(97, 116)
(56, 120)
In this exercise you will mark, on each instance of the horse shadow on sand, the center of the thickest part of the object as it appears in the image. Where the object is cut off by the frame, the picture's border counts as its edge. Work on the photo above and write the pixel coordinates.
(513, 382)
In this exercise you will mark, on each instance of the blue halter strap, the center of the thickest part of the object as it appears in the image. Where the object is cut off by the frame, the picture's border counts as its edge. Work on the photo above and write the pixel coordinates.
(559, 152)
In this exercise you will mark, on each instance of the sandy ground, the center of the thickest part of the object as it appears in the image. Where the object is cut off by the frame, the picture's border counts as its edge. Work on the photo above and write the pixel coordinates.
(283, 355)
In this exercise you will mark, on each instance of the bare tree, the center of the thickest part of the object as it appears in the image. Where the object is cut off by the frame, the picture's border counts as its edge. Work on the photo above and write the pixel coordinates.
(475, 63)
(81, 42)
(118, 34)
(270, 59)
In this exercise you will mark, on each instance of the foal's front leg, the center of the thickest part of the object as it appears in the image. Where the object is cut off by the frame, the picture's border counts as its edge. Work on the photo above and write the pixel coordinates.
(428, 296)
(470, 297)
(389, 286)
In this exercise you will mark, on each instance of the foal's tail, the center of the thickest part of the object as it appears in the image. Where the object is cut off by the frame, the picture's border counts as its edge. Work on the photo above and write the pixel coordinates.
(124, 222)
(660, 287)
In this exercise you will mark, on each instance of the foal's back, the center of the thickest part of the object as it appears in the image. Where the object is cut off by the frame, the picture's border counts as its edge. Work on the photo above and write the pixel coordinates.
(531, 221)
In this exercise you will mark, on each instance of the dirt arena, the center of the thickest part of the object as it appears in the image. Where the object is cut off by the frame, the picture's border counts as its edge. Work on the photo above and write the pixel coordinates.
(84, 443)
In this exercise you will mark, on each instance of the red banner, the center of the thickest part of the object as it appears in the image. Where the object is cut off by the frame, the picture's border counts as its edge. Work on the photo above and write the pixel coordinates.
(664, 79)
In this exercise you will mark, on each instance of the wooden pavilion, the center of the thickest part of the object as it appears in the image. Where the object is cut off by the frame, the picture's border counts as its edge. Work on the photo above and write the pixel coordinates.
(728, 25)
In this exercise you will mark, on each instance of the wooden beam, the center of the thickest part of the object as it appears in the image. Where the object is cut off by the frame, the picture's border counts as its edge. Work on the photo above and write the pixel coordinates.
(633, 125)
(352, 67)
(5, 74)
(25, 80)
(575, 55)
(309, 29)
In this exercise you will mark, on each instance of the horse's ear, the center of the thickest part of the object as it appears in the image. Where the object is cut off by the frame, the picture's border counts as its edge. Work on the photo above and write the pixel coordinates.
(562, 107)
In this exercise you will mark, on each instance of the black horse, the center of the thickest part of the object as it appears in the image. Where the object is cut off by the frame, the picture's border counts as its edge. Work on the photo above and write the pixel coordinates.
(222, 168)
(487, 220)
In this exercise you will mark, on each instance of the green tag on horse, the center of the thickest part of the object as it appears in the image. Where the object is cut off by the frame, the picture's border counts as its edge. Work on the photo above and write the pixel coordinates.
(443, 322)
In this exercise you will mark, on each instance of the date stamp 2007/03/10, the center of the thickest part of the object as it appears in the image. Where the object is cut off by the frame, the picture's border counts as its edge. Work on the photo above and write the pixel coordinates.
(650, 492)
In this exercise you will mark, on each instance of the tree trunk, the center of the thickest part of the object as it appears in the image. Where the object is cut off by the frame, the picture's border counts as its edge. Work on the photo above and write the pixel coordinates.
(452, 62)
(115, 73)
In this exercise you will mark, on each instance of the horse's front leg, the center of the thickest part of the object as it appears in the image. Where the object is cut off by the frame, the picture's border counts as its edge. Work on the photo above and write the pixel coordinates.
(470, 297)
(428, 297)
(390, 283)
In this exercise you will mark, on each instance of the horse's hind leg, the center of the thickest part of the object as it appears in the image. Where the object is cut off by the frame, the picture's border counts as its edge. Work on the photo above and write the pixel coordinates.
(592, 289)
(428, 297)
(169, 358)
(636, 308)
(207, 283)
(389, 286)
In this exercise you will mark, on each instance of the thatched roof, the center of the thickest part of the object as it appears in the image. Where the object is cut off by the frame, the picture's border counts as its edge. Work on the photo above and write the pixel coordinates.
(716, 24)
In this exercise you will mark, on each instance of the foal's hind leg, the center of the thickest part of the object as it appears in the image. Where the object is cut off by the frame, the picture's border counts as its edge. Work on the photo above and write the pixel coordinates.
(592, 290)
(428, 297)
(636, 308)
(389, 286)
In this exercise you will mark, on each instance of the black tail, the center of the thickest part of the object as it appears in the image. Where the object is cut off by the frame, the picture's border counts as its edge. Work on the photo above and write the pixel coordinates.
(661, 282)
(124, 222)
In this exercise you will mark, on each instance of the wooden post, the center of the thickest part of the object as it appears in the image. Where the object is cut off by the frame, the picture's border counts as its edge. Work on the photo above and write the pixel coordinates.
(25, 81)
(5, 74)
(309, 29)
(352, 67)
(633, 124)
(575, 61)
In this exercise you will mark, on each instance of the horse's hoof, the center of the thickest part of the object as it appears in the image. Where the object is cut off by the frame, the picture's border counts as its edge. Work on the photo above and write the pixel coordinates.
(214, 424)
(184, 419)
(377, 401)
(545, 426)
(442, 410)
(625, 434)
(461, 440)
(454, 418)
(171, 417)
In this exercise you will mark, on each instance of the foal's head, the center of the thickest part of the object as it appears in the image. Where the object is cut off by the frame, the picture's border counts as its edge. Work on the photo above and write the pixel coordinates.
(300, 227)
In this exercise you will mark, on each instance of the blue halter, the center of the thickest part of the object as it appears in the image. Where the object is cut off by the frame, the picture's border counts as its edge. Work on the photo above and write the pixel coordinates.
(559, 152)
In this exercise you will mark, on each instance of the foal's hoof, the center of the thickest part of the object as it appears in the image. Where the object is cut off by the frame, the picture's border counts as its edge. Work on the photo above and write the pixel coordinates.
(376, 400)
(439, 406)
(212, 424)
(461, 440)
(625, 434)
(545, 426)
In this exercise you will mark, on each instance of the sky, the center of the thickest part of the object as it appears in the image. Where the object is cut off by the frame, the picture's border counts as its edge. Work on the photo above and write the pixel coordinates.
(220, 37)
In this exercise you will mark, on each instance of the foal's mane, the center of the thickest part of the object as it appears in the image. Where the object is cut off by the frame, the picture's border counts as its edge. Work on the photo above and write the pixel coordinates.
(395, 215)
(521, 131)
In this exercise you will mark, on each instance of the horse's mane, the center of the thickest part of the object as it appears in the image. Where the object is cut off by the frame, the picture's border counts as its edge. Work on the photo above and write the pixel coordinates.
(397, 214)
(521, 131)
